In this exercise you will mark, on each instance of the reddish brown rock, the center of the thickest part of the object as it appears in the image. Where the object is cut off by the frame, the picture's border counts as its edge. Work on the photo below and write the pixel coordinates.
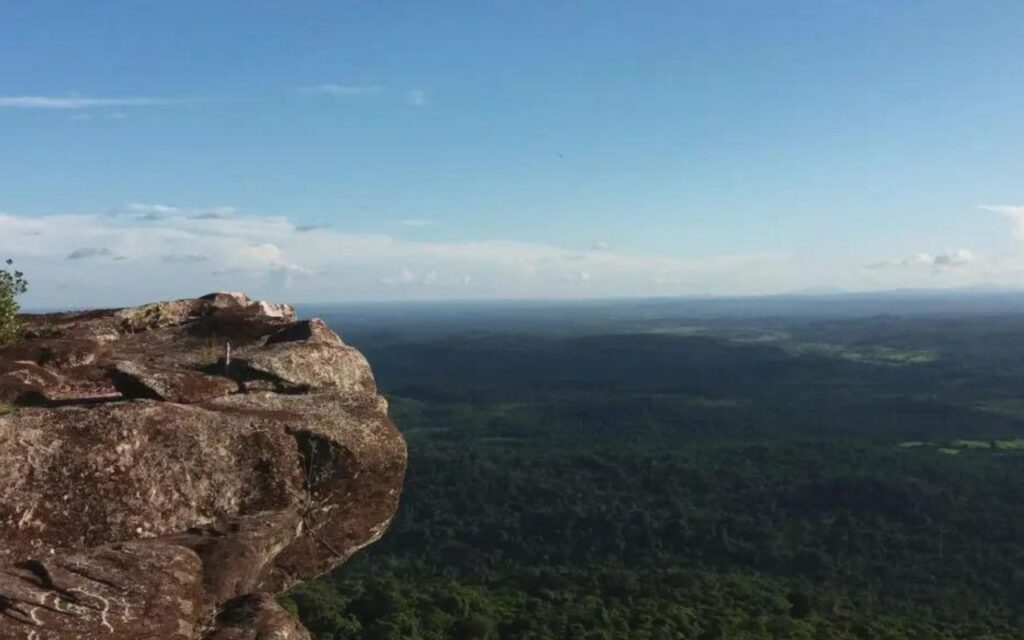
(318, 366)
(135, 380)
(315, 330)
(256, 617)
(151, 488)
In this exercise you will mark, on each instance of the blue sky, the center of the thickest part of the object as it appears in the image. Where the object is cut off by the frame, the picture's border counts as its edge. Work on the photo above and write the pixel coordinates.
(323, 151)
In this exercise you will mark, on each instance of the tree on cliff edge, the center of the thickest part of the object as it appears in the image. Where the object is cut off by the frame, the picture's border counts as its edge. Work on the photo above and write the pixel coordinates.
(12, 285)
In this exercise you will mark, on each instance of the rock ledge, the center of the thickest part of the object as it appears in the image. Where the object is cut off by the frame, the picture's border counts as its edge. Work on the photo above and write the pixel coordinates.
(156, 482)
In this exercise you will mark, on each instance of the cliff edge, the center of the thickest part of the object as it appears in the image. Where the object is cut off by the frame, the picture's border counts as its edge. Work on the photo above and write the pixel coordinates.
(156, 483)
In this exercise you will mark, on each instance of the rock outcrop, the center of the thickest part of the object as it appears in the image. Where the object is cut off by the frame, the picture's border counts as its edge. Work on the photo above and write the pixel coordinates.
(156, 482)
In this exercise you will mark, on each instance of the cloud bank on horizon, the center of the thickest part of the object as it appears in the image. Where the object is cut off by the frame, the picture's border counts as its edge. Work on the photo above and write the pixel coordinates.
(141, 251)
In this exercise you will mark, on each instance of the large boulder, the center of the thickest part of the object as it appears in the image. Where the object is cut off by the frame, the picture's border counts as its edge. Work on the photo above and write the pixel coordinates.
(165, 470)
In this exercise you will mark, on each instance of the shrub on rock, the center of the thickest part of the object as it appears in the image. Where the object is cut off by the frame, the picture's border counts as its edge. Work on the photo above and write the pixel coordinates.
(12, 284)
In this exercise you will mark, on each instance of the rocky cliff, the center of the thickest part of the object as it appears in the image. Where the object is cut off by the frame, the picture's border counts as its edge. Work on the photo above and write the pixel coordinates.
(156, 482)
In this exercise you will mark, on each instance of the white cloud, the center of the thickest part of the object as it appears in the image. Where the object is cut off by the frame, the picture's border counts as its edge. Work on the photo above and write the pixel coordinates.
(152, 211)
(160, 251)
(144, 211)
(405, 276)
(162, 209)
(151, 250)
(1009, 210)
(415, 222)
(416, 97)
(1013, 213)
(184, 258)
(342, 90)
(942, 260)
(255, 257)
(80, 102)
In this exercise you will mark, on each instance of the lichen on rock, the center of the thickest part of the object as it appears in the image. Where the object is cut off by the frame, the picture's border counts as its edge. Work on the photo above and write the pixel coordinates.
(151, 488)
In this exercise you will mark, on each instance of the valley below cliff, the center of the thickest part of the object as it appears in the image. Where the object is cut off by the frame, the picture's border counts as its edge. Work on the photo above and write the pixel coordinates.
(665, 470)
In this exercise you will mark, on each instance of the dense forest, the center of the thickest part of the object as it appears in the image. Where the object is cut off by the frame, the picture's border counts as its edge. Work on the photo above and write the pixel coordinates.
(627, 475)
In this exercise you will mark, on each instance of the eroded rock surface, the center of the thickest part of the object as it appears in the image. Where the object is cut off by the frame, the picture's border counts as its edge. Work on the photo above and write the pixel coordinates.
(156, 482)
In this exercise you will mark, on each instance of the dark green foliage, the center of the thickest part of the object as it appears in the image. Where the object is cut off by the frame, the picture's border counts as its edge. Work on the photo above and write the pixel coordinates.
(630, 487)
(12, 284)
